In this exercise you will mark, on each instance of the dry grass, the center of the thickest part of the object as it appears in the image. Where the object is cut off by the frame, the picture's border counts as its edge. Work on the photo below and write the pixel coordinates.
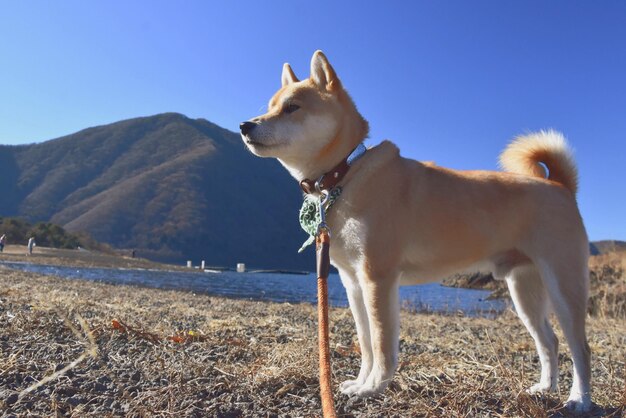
(608, 285)
(248, 358)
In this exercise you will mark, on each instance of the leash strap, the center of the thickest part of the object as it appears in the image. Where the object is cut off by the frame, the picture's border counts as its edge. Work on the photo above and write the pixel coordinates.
(323, 268)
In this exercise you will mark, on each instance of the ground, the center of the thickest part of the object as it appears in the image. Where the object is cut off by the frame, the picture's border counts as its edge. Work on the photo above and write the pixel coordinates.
(74, 348)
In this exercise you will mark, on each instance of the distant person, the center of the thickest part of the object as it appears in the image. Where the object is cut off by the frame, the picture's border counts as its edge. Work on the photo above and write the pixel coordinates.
(133, 254)
(31, 244)
(3, 240)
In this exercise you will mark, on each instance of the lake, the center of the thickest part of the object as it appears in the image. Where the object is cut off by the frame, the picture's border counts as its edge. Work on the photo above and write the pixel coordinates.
(274, 287)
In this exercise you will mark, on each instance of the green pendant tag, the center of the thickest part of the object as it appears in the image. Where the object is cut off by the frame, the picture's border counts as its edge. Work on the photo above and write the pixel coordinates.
(310, 216)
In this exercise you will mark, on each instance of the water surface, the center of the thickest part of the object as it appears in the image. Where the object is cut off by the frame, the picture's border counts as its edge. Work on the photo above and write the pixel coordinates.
(293, 288)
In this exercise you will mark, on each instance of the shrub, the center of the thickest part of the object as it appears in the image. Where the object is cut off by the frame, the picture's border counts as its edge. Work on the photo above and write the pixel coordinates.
(46, 234)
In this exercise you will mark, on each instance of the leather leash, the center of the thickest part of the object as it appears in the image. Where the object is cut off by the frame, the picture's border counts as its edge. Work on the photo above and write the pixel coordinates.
(322, 241)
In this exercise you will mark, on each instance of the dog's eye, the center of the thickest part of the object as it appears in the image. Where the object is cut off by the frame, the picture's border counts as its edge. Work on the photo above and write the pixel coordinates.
(291, 108)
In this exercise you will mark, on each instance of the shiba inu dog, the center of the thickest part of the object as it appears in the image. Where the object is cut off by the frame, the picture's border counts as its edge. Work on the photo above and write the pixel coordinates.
(402, 222)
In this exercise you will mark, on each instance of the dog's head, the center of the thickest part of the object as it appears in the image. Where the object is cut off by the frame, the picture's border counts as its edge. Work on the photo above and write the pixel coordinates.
(309, 124)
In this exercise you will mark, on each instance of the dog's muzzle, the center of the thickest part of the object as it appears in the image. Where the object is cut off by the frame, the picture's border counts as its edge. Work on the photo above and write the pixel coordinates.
(246, 127)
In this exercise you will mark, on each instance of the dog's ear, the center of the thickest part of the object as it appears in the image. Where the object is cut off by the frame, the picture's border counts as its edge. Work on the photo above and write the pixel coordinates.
(322, 73)
(288, 76)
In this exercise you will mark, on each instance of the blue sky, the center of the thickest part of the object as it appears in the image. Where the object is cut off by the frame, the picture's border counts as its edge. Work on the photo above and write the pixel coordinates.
(448, 81)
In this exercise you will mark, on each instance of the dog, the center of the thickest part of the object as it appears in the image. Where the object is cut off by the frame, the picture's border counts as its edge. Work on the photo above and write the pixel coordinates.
(402, 222)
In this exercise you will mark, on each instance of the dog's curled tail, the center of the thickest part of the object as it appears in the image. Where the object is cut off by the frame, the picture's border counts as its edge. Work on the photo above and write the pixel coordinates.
(543, 154)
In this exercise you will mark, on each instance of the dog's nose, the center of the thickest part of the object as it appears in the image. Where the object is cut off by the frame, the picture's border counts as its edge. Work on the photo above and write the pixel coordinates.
(246, 127)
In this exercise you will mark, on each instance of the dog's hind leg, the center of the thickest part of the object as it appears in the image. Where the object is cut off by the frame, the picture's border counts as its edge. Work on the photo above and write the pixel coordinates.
(567, 285)
(359, 313)
(532, 306)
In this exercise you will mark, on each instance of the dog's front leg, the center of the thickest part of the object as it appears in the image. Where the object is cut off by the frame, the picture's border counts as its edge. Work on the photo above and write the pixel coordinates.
(359, 313)
(383, 311)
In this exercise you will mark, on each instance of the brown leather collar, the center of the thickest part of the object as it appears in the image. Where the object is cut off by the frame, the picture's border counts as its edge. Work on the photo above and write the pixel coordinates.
(330, 179)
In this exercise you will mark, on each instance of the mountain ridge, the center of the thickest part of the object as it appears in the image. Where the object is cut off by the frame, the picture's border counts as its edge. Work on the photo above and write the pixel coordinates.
(172, 187)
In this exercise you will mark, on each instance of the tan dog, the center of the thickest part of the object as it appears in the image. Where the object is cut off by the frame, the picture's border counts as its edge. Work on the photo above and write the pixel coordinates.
(402, 222)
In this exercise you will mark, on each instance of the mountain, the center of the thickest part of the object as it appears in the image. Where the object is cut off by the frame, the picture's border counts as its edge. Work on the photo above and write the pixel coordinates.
(172, 187)
(606, 246)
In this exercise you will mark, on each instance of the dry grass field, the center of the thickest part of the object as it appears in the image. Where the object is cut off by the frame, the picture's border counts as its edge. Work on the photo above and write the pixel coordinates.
(84, 349)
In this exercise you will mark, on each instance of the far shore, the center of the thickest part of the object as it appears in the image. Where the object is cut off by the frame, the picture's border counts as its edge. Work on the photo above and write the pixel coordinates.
(80, 258)
(98, 259)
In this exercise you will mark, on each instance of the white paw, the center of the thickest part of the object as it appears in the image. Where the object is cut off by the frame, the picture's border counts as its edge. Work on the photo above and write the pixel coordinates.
(344, 387)
(364, 390)
(541, 388)
(372, 386)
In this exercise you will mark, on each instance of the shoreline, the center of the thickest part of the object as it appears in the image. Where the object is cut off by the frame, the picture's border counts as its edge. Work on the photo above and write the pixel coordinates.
(427, 298)
(177, 353)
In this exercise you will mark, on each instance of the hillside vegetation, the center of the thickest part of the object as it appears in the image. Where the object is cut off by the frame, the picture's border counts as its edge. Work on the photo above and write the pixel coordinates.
(18, 231)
